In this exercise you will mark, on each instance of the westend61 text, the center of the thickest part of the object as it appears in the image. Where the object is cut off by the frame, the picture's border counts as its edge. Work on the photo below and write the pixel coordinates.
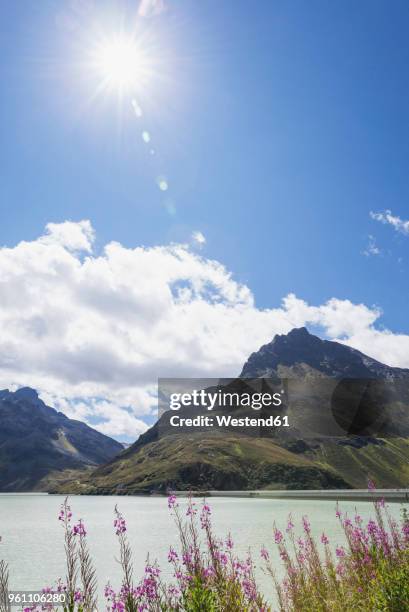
(229, 421)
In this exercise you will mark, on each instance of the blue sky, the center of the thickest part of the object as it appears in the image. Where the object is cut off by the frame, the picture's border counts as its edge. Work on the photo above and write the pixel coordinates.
(282, 125)
(279, 127)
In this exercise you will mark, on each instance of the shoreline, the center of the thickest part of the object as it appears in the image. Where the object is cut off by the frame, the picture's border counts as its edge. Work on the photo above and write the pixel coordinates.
(390, 495)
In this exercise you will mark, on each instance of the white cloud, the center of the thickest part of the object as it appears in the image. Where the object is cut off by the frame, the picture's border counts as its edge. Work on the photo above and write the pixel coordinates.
(151, 8)
(386, 217)
(78, 236)
(372, 248)
(198, 239)
(93, 332)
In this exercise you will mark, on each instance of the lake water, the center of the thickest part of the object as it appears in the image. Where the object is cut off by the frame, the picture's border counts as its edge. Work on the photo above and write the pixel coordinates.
(32, 537)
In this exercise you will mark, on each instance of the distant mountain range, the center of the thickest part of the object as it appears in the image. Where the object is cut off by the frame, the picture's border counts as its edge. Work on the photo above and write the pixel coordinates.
(226, 460)
(42, 449)
(39, 445)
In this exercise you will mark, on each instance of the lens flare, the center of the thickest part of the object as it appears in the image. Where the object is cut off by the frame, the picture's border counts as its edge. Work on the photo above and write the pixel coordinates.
(162, 183)
(122, 63)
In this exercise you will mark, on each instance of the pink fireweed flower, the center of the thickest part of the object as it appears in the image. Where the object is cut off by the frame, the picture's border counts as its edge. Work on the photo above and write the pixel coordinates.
(306, 524)
(150, 588)
(152, 570)
(340, 552)
(324, 539)
(65, 513)
(109, 592)
(173, 591)
(205, 516)
(191, 509)
(249, 589)
(79, 529)
(229, 542)
(184, 579)
(372, 527)
(172, 501)
(290, 524)
(61, 587)
(239, 568)
(264, 554)
(218, 543)
(186, 558)
(172, 555)
(77, 596)
(46, 590)
(221, 557)
(208, 572)
(358, 536)
(340, 569)
(278, 536)
(120, 525)
(338, 513)
(371, 485)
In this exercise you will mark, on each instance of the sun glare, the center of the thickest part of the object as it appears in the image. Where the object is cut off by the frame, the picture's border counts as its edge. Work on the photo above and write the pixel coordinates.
(121, 63)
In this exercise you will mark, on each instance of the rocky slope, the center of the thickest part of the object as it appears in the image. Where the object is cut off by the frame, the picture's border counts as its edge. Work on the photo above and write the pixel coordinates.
(38, 444)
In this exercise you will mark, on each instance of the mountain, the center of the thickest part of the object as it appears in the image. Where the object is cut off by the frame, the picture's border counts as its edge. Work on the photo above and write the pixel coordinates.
(161, 459)
(300, 354)
(38, 444)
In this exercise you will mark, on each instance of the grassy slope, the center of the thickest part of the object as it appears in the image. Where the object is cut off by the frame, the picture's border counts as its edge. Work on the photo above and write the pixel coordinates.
(230, 462)
(387, 464)
(207, 462)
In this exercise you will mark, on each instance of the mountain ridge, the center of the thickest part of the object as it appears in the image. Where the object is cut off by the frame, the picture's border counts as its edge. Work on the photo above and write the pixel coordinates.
(37, 441)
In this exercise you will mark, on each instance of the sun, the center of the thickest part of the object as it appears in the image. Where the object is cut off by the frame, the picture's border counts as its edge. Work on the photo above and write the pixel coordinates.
(121, 63)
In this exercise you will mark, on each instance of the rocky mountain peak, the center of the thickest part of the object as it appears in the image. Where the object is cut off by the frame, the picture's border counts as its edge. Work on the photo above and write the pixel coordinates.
(23, 394)
(300, 353)
(27, 393)
(298, 332)
(297, 338)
